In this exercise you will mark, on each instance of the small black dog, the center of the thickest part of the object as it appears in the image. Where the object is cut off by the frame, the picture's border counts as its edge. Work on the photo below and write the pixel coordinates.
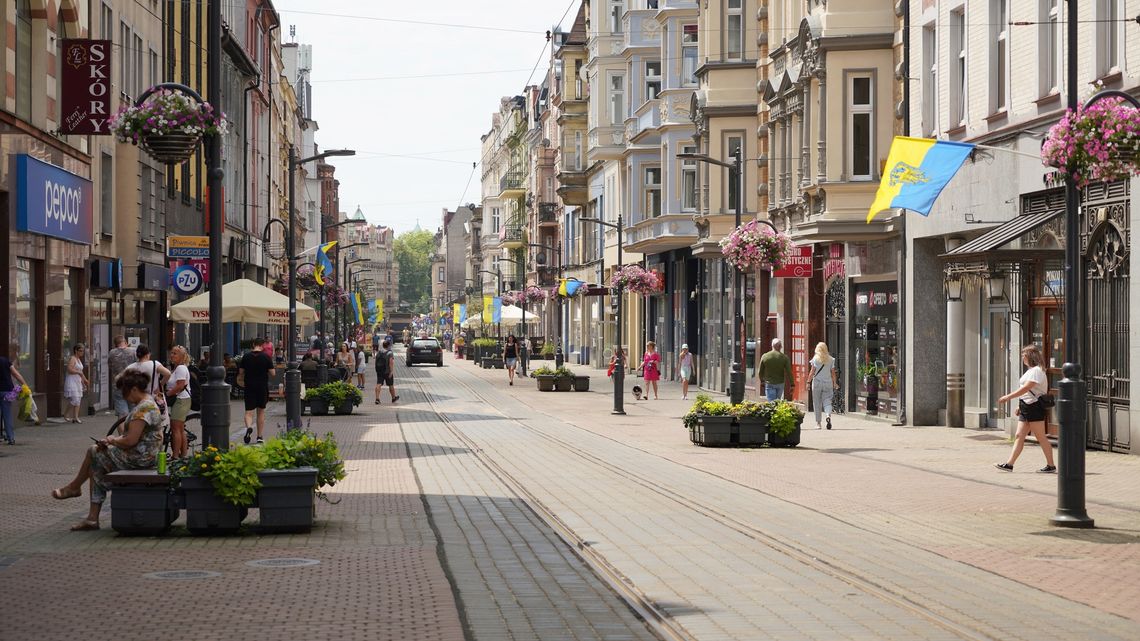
(637, 392)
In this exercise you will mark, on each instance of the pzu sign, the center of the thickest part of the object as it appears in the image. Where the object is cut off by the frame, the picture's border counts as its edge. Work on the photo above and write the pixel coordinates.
(51, 201)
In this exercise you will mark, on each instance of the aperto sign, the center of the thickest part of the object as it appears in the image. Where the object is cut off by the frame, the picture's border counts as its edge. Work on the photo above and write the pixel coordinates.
(52, 201)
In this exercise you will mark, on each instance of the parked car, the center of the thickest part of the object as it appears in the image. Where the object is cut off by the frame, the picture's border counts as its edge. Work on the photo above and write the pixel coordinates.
(425, 350)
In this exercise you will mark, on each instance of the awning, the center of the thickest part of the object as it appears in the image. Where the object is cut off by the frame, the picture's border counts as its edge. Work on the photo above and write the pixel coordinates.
(1006, 240)
(243, 301)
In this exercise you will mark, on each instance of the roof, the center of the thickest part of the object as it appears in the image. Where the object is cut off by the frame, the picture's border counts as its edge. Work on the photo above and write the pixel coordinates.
(1003, 237)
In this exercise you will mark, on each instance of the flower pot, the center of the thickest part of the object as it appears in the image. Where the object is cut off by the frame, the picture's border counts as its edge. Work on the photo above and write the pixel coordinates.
(791, 440)
(286, 498)
(714, 431)
(752, 430)
(563, 384)
(170, 148)
(319, 407)
(545, 383)
(581, 383)
(206, 512)
(141, 503)
(344, 408)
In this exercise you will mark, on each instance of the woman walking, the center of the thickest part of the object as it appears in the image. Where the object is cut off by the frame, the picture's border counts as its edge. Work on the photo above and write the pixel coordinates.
(360, 364)
(8, 395)
(1030, 410)
(346, 361)
(685, 367)
(178, 400)
(651, 369)
(75, 384)
(824, 380)
(511, 357)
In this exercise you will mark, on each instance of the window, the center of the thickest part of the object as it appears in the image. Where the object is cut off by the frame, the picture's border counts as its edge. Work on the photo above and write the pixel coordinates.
(958, 59)
(734, 145)
(106, 194)
(930, 81)
(688, 180)
(125, 82)
(146, 213)
(652, 79)
(1049, 34)
(155, 69)
(138, 55)
(496, 218)
(440, 276)
(652, 192)
(689, 36)
(734, 30)
(617, 99)
(578, 150)
(860, 114)
(23, 59)
(1108, 27)
(106, 22)
(999, 56)
(617, 8)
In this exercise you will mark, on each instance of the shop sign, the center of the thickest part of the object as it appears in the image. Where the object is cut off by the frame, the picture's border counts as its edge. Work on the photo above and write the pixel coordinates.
(798, 265)
(187, 280)
(153, 277)
(876, 299)
(203, 267)
(834, 268)
(86, 86)
(188, 246)
(51, 201)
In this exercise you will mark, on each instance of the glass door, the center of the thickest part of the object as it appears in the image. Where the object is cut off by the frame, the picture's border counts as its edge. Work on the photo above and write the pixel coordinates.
(999, 365)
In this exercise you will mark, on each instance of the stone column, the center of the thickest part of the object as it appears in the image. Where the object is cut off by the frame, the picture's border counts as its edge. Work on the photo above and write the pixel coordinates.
(821, 175)
(955, 355)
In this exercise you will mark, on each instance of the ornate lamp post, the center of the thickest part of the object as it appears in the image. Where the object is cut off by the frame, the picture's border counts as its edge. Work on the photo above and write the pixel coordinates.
(322, 367)
(619, 369)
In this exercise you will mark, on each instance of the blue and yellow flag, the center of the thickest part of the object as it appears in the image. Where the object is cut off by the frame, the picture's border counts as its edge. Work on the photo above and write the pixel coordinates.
(359, 305)
(462, 313)
(488, 305)
(379, 309)
(917, 170)
(324, 265)
(568, 286)
(497, 310)
(456, 313)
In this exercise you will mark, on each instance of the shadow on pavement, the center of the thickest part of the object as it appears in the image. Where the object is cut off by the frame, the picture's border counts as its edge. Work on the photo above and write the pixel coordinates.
(1098, 535)
(418, 450)
(852, 450)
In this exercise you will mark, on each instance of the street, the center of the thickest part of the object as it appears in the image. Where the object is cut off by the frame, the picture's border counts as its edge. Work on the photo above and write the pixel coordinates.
(474, 510)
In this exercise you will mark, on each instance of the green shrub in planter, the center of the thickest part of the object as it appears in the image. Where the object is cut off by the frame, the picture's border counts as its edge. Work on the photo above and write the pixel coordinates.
(751, 422)
(233, 473)
(783, 417)
(544, 371)
(336, 394)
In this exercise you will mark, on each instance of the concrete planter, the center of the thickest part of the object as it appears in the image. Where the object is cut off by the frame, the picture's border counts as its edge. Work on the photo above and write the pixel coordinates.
(714, 431)
(751, 431)
(545, 383)
(581, 383)
(286, 499)
(791, 440)
(318, 407)
(142, 503)
(206, 512)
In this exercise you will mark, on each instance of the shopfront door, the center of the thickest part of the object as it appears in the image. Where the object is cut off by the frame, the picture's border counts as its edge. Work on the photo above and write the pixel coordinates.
(1107, 352)
(999, 365)
(54, 363)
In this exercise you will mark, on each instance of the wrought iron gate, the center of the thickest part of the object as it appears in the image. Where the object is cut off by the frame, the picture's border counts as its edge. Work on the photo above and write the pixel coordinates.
(835, 314)
(1105, 243)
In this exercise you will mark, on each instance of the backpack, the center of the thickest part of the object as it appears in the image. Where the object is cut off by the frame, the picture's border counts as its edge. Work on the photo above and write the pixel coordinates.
(195, 390)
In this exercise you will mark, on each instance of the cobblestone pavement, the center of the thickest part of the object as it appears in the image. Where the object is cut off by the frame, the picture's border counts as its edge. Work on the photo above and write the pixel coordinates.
(423, 544)
(865, 531)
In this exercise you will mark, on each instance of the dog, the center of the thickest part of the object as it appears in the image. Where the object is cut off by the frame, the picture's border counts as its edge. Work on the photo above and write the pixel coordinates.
(636, 392)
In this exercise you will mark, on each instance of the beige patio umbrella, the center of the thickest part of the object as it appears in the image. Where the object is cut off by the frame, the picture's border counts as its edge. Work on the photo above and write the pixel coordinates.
(243, 301)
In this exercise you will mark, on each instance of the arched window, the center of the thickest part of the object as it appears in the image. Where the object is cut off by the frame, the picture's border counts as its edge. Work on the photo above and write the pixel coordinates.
(24, 59)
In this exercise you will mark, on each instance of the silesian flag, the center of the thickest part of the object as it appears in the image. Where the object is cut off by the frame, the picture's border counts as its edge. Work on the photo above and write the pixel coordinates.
(359, 308)
(379, 309)
(488, 304)
(458, 313)
(497, 310)
(568, 286)
(917, 170)
(324, 265)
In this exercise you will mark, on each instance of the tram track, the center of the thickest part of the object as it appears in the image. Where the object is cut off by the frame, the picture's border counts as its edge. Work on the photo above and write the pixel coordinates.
(646, 607)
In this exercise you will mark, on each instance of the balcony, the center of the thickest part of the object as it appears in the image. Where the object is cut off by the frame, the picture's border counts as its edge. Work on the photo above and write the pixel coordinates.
(660, 234)
(512, 184)
(547, 214)
(512, 236)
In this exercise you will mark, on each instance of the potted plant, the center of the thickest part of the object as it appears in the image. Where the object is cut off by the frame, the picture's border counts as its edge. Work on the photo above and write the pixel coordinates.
(581, 383)
(168, 124)
(547, 352)
(299, 464)
(1098, 143)
(544, 376)
(318, 404)
(484, 348)
(338, 395)
(754, 245)
(751, 422)
(563, 379)
(709, 422)
(784, 421)
(219, 487)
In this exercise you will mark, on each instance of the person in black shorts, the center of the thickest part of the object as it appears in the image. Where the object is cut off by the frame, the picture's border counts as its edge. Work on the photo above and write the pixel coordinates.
(253, 374)
(385, 371)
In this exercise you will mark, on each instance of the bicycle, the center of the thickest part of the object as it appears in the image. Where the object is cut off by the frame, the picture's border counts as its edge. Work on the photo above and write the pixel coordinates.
(191, 437)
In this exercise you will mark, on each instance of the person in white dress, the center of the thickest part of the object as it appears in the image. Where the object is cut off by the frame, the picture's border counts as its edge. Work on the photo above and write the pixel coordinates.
(75, 384)
(824, 381)
(1031, 412)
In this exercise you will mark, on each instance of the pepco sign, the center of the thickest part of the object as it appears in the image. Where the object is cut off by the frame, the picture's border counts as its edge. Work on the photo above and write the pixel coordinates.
(51, 201)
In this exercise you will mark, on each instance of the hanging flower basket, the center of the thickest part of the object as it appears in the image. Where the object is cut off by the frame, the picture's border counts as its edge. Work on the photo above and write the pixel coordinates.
(169, 125)
(754, 245)
(529, 295)
(509, 298)
(636, 279)
(1097, 144)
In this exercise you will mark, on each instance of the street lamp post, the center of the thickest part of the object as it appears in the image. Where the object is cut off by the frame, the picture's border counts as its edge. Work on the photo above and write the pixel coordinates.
(292, 370)
(540, 260)
(322, 367)
(619, 351)
(347, 283)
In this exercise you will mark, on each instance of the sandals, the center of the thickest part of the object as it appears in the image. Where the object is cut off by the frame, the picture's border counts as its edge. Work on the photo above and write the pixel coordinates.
(85, 526)
(1005, 467)
(59, 494)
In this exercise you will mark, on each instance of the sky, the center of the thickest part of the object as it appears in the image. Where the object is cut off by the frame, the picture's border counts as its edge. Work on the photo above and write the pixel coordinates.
(416, 138)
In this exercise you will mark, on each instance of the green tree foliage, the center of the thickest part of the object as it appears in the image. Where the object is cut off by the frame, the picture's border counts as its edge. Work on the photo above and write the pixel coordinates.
(413, 252)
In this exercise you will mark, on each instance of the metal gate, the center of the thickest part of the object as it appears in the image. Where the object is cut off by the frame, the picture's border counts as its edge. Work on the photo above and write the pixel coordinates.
(836, 319)
(1105, 241)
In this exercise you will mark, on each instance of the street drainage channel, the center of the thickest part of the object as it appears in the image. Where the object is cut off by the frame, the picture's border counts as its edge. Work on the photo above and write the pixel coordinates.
(183, 575)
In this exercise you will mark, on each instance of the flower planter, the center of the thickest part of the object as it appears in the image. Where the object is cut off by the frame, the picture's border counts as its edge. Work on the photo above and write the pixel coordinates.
(344, 408)
(563, 384)
(490, 362)
(206, 512)
(751, 431)
(791, 440)
(318, 407)
(141, 503)
(170, 148)
(286, 499)
(714, 431)
(545, 383)
(581, 383)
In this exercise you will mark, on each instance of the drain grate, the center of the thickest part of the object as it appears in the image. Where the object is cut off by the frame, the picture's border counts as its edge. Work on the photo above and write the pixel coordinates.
(282, 563)
(180, 575)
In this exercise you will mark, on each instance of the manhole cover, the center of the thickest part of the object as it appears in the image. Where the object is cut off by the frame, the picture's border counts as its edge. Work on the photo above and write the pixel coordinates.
(177, 575)
(282, 563)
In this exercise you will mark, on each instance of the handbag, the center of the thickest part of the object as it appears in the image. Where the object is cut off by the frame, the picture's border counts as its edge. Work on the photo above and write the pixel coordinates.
(1047, 400)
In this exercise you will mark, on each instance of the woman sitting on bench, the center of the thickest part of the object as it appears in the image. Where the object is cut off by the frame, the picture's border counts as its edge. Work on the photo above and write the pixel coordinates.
(136, 446)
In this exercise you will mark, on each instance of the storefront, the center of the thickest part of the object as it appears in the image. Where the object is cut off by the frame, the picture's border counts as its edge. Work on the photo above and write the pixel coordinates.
(873, 372)
(672, 316)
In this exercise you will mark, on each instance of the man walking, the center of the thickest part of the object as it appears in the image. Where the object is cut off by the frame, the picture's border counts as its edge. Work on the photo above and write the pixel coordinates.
(120, 358)
(775, 371)
(385, 371)
(253, 375)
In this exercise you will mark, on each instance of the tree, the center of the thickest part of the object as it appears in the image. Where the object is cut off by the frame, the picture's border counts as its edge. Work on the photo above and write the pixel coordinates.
(413, 252)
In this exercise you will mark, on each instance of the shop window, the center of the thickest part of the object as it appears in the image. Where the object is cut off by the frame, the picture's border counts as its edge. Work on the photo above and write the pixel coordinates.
(875, 347)
(24, 320)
